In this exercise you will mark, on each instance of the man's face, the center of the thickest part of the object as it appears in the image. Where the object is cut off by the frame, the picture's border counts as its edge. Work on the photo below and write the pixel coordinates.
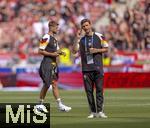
(54, 29)
(86, 27)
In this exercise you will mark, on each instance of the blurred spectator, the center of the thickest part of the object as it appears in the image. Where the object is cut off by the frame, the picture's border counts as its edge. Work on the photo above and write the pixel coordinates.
(65, 60)
(131, 31)
(22, 22)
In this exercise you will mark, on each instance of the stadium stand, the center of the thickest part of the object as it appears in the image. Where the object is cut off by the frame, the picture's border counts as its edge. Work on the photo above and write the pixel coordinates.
(23, 22)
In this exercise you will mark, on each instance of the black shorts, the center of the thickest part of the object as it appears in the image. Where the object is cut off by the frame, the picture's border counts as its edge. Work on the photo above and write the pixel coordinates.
(48, 73)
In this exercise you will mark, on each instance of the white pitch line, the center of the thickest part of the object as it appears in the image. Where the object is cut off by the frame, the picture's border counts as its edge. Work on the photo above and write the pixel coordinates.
(123, 105)
(78, 98)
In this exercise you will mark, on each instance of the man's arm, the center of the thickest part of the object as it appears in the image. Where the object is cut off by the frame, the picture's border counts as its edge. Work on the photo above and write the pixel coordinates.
(75, 48)
(100, 50)
(45, 53)
(52, 54)
(104, 45)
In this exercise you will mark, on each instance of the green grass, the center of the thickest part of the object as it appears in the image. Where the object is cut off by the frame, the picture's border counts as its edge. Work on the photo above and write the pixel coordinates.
(125, 108)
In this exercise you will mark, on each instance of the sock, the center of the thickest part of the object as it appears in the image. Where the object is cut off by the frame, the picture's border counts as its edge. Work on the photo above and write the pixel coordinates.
(59, 101)
(41, 101)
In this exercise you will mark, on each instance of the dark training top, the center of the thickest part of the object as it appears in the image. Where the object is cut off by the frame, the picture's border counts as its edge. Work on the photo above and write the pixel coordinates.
(48, 69)
(49, 44)
(95, 41)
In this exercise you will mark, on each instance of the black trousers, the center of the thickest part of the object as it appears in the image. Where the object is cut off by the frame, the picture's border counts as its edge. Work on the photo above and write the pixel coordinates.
(92, 78)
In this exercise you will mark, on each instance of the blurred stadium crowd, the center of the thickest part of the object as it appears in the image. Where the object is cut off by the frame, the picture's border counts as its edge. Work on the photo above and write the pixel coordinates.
(23, 22)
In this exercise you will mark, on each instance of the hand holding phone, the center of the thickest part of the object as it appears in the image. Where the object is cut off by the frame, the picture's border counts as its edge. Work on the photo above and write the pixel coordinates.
(79, 33)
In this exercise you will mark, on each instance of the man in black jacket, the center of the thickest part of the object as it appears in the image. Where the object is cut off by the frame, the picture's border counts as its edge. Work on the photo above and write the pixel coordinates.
(91, 46)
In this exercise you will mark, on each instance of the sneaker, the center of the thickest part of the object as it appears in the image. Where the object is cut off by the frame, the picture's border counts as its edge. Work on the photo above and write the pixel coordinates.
(92, 115)
(41, 108)
(101, 115)
(64, 108)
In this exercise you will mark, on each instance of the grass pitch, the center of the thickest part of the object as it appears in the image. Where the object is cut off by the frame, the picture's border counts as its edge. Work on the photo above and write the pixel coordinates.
(125, 108)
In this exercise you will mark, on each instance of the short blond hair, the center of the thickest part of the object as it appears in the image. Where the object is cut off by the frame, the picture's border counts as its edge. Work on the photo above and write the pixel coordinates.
(52, 23)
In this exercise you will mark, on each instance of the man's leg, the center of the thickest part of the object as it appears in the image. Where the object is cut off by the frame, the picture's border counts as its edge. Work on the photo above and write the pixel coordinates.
(55, 90)
(99, 94)
(99, 91)
(45, 74)
(43, 94)
(88, 84)
(61, 106)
